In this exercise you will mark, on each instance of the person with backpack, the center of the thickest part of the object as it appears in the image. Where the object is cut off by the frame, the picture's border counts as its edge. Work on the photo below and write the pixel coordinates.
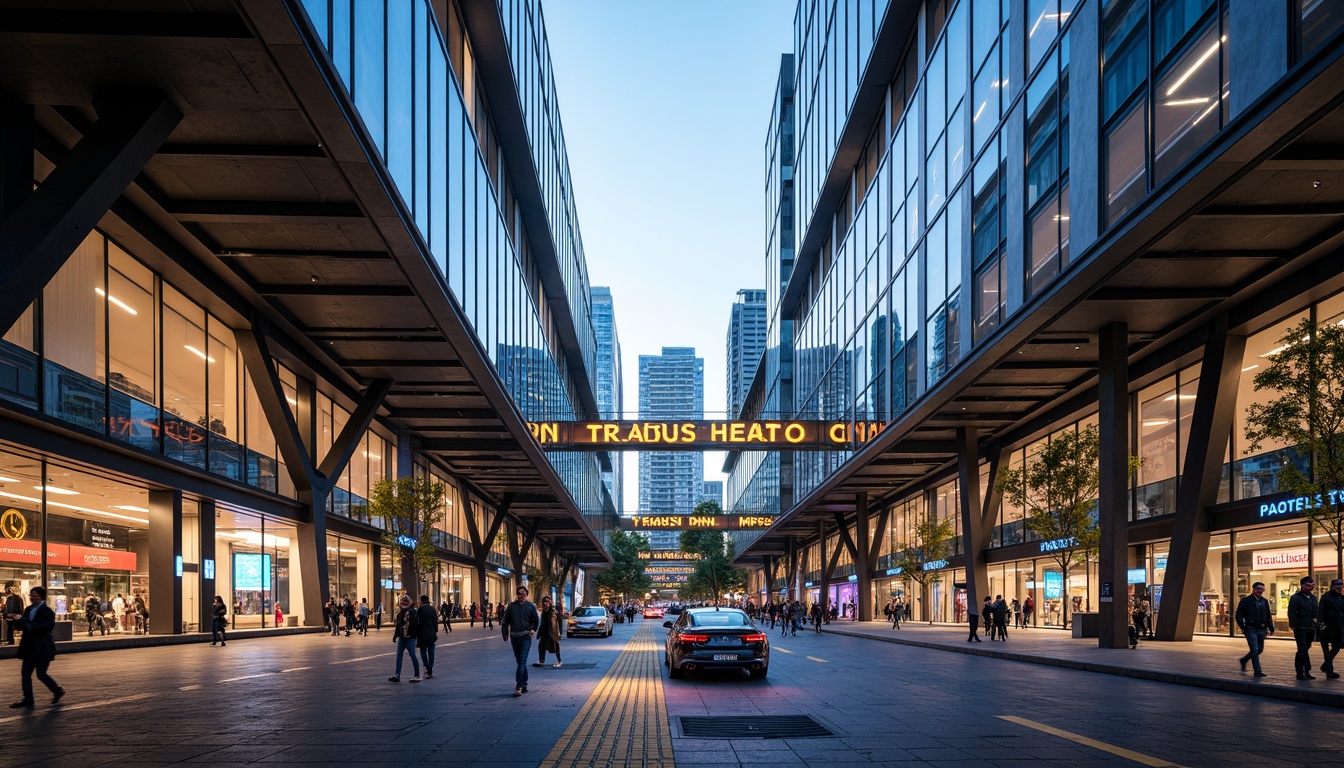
(406, 631)
(428, 634)
(220, 613)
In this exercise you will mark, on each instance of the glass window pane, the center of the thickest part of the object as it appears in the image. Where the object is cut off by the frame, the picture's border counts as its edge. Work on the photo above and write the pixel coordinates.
(1171, 20)
(1187, 98)
(985, 101)
(1043, 247)
(73, 337)
(984, 29)
(133, 353)
(399, 96)
(184, 357)
(370, 49)
(1042, 26)
(1125, 172)
(222, 365)
(1321, 20)
(1125, 66)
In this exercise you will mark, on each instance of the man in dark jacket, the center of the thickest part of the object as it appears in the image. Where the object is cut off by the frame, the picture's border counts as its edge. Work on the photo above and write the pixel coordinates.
(428, 634)
(13, 604)
(36, 648)
(1255, 621)
(518, 623)
(1331, 613)
(1302, 620)
(1001, 617)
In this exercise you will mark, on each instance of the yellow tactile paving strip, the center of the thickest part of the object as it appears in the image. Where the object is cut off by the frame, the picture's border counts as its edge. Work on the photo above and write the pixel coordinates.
(624, 722)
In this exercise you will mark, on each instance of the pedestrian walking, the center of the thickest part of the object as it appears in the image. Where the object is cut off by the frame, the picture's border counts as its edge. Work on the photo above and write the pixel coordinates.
(1331, 615)
(348, 613)
(987, 616)
(378, 618)
(897, 613)
(471, 615)
(795, 617)
(333, 612)
(1028, 608)
(446, 615)
(428, 634)
(220, 613)
(364, 616)
(1255, 621)
(1001, 617)
(36, 647)
(518, 625)
(548, 634)
(93, 614)
(816, 617)
(488, 614)
(784, 619)
(974, 620)
(1302, 611)
(405, 632)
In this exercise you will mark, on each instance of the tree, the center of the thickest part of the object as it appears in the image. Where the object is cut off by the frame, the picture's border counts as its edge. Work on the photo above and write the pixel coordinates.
(930, 541)
(1306, 373)
(1058, 491)
(409, 508)
(541, 582)
(626, 575)
(714, 573)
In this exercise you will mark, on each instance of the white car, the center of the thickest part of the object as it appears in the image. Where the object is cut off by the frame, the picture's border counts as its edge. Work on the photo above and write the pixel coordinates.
(589, 620)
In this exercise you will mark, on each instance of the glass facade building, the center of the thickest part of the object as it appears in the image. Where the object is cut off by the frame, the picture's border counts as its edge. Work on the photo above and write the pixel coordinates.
(671, 387)
(944, 274)
(369, 267)
(608, 381)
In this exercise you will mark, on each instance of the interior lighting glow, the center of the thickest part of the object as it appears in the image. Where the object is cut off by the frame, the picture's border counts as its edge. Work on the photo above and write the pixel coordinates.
(54, 489)
(979, 112)
(1185, 102)
(1250, 368)
(130, 508)
(8, 479)
(198, 353)
(117, 301)
(1196, 65)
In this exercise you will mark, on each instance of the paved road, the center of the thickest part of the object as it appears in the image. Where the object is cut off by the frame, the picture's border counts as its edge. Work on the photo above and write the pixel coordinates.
(315, 698)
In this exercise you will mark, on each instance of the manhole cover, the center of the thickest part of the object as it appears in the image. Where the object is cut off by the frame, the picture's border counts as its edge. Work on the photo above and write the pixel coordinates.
(754, 727)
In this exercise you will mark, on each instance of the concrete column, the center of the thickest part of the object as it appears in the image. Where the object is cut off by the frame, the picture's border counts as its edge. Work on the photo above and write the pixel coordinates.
(863, 603)
(207, 586)
(1210, 429)
(165, 552)
(1258, 39)
(1112, 497)
(312, 538)
(1084, 127)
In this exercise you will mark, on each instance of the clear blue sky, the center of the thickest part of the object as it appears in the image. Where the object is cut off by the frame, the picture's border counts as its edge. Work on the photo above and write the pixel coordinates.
(665, 107)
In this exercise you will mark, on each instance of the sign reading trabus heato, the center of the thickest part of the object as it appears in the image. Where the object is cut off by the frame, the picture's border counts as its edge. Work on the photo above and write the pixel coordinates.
(702, 435)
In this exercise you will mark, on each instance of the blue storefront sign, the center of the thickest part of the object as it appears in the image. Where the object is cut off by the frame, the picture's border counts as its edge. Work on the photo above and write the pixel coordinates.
(1055, 545)
(1054, 585)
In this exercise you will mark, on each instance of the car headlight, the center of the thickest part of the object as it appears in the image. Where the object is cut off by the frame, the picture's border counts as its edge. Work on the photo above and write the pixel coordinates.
(601, 622)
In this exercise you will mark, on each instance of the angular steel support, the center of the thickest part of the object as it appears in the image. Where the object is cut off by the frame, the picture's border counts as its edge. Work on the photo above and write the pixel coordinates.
(42, 232)
(863, 602)
(16, 155)
(974, 532)
(1113, 493)
(826, 567)
(1210, 429)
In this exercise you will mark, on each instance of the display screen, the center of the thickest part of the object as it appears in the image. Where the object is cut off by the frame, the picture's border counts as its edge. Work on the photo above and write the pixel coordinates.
(251, 572)
(1054, 585)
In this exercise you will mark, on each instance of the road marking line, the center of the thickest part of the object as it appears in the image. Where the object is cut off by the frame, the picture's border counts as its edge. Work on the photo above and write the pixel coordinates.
(295, 669)
(85, 705)
(820, 661)
(364, 658)
(782, 650)
(246, 677)
(1128, 754)
(188, 687)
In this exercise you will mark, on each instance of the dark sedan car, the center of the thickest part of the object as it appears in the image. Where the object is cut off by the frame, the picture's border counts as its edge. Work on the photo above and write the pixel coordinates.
(715, 638)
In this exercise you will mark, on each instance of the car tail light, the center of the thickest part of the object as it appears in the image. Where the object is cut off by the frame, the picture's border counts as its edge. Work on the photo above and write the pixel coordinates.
(758, 637)
(688, 638)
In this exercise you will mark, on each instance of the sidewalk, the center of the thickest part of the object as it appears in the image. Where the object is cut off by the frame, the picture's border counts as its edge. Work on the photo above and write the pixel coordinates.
(109, 642)
(1206, 662)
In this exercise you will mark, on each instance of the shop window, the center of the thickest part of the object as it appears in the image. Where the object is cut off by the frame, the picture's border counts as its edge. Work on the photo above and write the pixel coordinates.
(75, 338)
(18, 361)
(185, 361)
(1256, 473)
(1126, 170)
(132, 358)
(1187, 97)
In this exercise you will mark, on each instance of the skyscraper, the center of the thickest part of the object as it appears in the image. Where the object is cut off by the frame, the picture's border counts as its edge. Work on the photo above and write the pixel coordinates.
(671, 386)
(607, 380)
(746, 345)
(713, 491)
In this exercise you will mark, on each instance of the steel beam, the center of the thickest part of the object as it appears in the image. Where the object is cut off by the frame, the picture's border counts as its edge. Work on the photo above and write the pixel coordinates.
(38, 238)
(1210, 430)
(973, 530)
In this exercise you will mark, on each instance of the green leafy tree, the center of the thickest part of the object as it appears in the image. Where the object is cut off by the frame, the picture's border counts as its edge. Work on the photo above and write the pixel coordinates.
(541, 582)
(1306, 375)
(714, 573)
(930, 541)
(1058, 491)
(626, 575)
(409, 508)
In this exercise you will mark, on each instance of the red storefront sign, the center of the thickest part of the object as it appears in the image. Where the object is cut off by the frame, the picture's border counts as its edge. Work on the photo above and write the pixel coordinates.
(31, 552)
(66, 555)
(104, 559)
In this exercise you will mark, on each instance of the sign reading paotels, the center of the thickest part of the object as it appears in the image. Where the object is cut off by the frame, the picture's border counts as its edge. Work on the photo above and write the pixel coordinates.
(702, 435)
(696, 522)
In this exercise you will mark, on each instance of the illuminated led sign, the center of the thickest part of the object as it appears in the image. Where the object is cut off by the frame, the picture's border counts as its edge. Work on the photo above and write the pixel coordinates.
(702, 435)
(668, 554)
(1055, 545)
(934, 565)
(696, 522)
(1299, 504)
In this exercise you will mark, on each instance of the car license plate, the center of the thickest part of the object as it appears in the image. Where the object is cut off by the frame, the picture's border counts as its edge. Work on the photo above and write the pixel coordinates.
(723, 641)
(725, 657)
